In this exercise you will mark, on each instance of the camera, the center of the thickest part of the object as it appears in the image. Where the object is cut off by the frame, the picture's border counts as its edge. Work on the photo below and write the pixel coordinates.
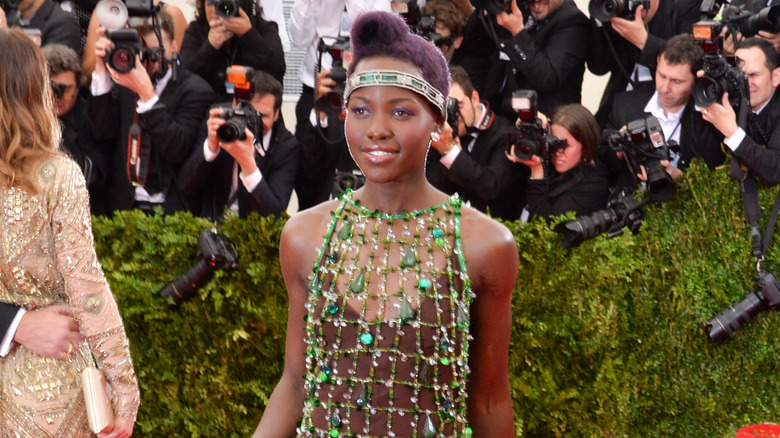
(622, 211)
(225, 8)
(496, 7)
(347, 180)
(530, 138)
(453, 113)
(420, 24)
(748, 23)
(721, 326)
(9, 5)
(58, 89)
(127, 44)
(215, 251)
(341, 52)
(244, 115)
(643, 144)
(720, 76)
(604, 10)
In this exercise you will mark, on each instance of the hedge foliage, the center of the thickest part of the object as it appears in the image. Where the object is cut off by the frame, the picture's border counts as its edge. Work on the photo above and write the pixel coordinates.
(606, 340)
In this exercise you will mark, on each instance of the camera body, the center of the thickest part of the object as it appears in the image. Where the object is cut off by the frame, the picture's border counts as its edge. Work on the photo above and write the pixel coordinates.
(215, 251)
(720, 76)
(244, 115)
(604, 10)
(643, 144)
(622, 211)
(453, 113)
(530, 138)
(721, 326)
(226, 8)
(748, 23)
(341, 52)
(128, 44)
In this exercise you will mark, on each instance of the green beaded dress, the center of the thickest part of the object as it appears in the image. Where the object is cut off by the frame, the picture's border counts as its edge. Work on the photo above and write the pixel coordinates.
(387, 326)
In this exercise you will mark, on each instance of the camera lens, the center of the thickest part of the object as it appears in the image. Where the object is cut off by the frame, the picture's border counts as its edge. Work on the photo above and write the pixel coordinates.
(604, 10)
(724, 324)
(707, 91)
(226, 8)
(231, 130)
(122, 59)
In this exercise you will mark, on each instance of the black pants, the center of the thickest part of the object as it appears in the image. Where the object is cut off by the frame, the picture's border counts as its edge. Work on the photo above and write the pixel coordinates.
(303, 110)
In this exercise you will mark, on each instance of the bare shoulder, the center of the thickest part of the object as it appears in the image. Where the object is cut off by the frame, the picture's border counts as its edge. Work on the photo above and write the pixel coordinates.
(304, 232)
(490, 250)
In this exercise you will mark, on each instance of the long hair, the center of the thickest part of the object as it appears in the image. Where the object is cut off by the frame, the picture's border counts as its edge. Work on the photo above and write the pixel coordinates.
(579, 121)
(29, 131)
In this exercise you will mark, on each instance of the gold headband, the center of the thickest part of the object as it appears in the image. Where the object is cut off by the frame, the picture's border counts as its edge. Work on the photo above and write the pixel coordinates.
(395, 79)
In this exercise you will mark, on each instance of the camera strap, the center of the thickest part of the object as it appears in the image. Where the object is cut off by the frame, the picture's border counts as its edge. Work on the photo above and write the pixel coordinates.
(138, 156)
(750, 204)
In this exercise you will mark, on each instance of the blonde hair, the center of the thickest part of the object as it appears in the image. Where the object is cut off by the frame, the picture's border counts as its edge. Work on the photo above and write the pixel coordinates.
(29, 130)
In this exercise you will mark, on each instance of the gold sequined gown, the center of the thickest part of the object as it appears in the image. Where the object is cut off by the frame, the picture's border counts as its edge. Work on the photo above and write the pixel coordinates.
(48, 257)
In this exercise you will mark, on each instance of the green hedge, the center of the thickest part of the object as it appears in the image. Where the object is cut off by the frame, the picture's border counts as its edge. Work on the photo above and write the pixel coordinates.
(606, 338)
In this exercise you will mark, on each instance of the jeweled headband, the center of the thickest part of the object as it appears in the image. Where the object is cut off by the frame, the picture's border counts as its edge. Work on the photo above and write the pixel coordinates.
(395, 79)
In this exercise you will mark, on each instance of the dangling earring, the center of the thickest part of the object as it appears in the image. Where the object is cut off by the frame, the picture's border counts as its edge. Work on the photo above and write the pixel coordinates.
(435, 136)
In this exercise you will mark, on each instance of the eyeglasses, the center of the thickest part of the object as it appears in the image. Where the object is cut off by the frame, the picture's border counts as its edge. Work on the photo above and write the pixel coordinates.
(63, 90)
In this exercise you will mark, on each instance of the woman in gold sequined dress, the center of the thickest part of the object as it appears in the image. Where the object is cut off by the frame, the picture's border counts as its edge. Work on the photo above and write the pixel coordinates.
(402, 327)
(48, 259)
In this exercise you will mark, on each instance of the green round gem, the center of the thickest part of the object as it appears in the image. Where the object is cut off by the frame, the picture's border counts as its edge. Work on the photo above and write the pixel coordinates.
(437, 233)
(323, 377)
(454, 384)
(468, 431)
(332, 308)
(334, 433)
(439, 241)
(367, 338)
(445, 361)
(423, 284)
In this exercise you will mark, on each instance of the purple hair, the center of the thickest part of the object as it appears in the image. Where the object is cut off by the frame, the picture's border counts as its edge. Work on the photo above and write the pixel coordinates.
(380, 33)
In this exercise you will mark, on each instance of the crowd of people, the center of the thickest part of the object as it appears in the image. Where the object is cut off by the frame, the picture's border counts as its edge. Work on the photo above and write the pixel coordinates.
(412, 112)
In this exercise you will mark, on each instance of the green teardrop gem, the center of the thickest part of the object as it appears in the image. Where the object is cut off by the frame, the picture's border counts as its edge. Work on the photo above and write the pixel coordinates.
(362, 398)
(445, 342)
(367, 338)
(423, 284)
(356, 285)
(335, 420)
(407, 312)
(462, 320)
(428, 430)
(408, 260)
(332, 308)
(447, 403)
(424, 372)
(345, 232)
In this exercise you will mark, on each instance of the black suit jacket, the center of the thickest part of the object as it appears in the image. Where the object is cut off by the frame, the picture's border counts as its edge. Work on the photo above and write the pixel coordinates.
(484, 177)
(56, 25)
(170, 128)
(212, 180)
(583, 190)
(673, 17)
(759, 151)
(260, 48)
(629, 106)
(549, 58)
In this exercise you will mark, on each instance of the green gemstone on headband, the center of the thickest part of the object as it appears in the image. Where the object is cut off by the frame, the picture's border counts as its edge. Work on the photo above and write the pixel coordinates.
(423, 284)
(395, 79)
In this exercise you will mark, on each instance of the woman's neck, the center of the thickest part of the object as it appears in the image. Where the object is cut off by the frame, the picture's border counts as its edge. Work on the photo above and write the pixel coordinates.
(397, 198)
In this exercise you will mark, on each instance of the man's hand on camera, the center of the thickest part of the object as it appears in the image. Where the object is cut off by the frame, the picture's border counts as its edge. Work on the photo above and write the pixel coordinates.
(772, 37)
(243, 151)
(49, 331)
(633, 31)
(103, 46)
(238, 24)
(446, 142)
(324, 83)
(136, 80)
(218, 33)
(671, 170)
(514, 22)
(722, 116)
(212, 125)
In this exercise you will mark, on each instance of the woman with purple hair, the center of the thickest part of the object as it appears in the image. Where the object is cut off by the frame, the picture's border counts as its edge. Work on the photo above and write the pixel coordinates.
(399, 320)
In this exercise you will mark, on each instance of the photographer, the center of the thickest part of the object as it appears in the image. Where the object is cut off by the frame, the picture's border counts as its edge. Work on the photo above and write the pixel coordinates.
(449, 25)
(757, 145)
(628, 47)
(473, 163)
(214, 42)
(547, 52)
(671, 103)
(570, 178)
(256, 172)
(152, 116)
(45, 17)
(71, 109)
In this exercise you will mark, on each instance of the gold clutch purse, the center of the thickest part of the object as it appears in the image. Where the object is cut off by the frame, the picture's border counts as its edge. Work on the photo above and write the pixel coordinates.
(99, 410)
